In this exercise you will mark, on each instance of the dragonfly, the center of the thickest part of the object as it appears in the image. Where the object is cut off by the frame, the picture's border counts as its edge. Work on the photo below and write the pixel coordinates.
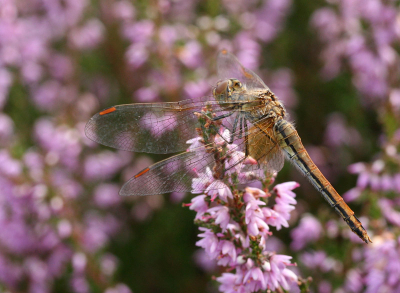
(240, 103)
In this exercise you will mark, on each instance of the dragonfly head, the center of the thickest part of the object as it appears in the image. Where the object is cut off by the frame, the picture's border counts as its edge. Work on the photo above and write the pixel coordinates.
(224, 89)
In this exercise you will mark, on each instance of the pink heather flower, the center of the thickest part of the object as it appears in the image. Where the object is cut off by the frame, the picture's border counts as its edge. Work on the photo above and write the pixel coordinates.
(338, 132)
(8, 166)
(319, 260)
(119, 288)
(254, 216)
(223, 137)
(89, 36)
(274, 218)
(228, 253)
(107, 195)
(255, 274)
(308, 231)
(137, 55)
(352, 194)
(364, 178)
(220, 189)
(199, 205)
(284, 201)
(140, 31)
(123, 10)
(104, 165)
(357, 168)
(387, 209)
(231, 283)
(61, 142)
(354, 281)
(202, 181)
(381, 266)
(190, 55)
(60, 67)
(386, 182)
(285, 193)
(375, 182)
(209, 242)
(195, 90)
(237, 156)
(203, 261)
(279, 275)
(195, 143)
(146, 95)
(221, 215)
(46, 96)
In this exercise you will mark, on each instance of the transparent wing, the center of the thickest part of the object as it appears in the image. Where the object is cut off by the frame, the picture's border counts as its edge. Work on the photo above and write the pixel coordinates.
(154, 127)
(193, 170)
(150, 127)
(230, 67)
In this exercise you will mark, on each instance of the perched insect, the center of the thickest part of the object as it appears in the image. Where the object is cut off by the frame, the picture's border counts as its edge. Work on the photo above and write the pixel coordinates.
(244, 105)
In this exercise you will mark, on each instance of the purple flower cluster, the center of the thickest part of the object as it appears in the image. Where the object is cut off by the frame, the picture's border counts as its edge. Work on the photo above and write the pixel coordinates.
(380, 270)
(362, 37)
(365, 36)
(373, 177)
(234, 229)
(51, 228)
(180, 50)
(308, 231)
(369, 50)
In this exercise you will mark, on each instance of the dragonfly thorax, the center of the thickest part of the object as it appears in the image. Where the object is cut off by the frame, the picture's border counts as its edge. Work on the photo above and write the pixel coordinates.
(265, 105)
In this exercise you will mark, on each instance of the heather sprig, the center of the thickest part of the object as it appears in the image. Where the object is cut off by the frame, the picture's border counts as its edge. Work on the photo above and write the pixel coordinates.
(235, 224)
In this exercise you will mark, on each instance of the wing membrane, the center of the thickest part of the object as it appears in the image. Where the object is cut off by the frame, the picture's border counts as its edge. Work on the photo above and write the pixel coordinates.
(193, 170)
(230, 67)
(153, 127)
(264, 148)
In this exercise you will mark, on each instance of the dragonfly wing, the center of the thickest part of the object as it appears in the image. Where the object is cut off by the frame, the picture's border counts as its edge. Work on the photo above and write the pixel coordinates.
(159, 128)
(230, 67)
(185, 172)
(172, 174)
(263, 146)
(154, 128)
(194, 171)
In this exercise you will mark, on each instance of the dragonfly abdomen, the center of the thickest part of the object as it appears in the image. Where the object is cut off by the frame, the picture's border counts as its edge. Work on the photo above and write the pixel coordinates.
(291, 144)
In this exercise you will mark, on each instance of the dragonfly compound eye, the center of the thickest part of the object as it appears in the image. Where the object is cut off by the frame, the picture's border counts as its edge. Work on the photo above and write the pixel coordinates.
(222, 90)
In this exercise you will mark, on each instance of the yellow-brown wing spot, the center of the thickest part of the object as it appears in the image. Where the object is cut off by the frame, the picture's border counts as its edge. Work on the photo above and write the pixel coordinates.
(246, 73)
(141, 173)
(263, 146)
(224, 51)
(109, 110)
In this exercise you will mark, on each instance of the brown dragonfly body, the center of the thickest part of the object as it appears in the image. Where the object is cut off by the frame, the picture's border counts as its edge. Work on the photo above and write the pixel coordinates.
(245, 106)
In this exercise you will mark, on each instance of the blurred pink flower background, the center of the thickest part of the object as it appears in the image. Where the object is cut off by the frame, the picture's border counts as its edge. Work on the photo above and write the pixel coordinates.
(64, 228)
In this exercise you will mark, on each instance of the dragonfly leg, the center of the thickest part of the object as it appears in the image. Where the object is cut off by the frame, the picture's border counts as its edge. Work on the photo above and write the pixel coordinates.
(233, 130)
(246, 137)
(240, 128)
(222, 116)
